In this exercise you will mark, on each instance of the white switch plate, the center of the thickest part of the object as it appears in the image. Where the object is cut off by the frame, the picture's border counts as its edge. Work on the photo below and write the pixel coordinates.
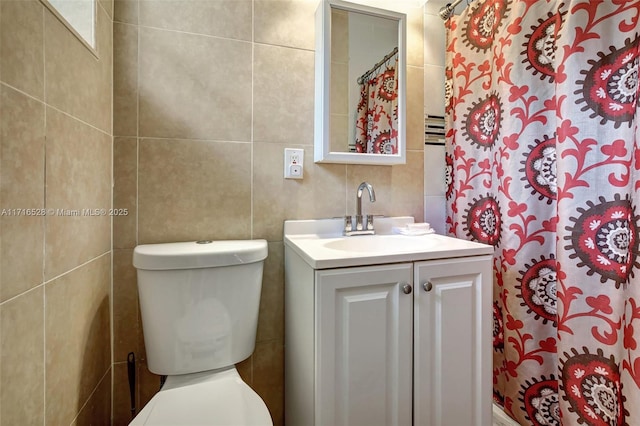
(293, 163)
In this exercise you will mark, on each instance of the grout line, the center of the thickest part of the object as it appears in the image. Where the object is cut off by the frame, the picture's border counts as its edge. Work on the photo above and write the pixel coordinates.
(70, 270)
(251, 177)
(113, 184)
(109, 15)
(111, 293)
(113, 188)
(189, 139)
(24, 293)
(252, 41)
(109, 370)
(106, 133)
(44, 226)
(346, 189)
(5, 84)
(150, 27)
(137, 198)
(312, 50)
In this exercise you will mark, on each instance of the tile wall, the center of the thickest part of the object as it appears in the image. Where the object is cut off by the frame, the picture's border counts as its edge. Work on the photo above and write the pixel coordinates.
(55, 271)
(207, 94)
(434, 170)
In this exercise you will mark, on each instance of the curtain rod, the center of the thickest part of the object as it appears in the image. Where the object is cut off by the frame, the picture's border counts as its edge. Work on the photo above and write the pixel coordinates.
(446, 11)
(378, 65)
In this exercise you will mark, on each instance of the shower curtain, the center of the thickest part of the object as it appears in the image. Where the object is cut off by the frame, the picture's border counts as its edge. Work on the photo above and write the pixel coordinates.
(543, 163)
(377, 113)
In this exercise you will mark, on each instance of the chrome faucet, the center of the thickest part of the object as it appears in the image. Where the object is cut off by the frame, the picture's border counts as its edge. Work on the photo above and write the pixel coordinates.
(361, 227)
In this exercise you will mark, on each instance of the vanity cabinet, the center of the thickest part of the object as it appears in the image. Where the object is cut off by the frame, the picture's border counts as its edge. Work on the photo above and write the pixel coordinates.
(406, 343)
(452, 363)
(364, 346)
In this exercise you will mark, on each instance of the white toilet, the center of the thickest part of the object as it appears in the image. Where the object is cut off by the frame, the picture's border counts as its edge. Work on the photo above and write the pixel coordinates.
(199, 303)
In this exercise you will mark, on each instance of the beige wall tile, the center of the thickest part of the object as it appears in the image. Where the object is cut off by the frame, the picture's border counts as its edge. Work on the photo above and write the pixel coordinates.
(121, 395)
(398, 188)
(408, 181)
(193, 190)
(78, 346)
(435, 40)
(415, 108)
(194, 87)
(77, 83)
(320, 194)
(21, 187)
(271, 318)
(125, 80)
(125, 191)
(97, 410)
(22, 355)
(125, 11)
(415, 36)
(283, 88)
(221, 18)
(434, 80)
(21, 45)
(125, 306)
(108, 7)
(78, 177)
(288, 23)
(268, 377)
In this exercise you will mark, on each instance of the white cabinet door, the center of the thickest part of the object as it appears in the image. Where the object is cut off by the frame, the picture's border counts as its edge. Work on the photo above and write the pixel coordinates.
(452, 338)
(364, 345)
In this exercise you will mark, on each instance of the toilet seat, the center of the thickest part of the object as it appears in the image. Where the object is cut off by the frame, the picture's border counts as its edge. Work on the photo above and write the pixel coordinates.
(212, 398)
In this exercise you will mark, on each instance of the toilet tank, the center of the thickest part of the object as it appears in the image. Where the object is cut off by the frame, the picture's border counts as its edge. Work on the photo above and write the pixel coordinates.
(199, 303)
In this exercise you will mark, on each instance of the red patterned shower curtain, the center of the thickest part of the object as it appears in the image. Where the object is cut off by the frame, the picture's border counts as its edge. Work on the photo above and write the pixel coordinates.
(543, 163)
(377, 114)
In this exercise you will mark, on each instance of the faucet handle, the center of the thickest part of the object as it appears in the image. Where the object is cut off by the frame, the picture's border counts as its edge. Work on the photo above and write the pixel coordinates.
(348, 224)
(368, 222)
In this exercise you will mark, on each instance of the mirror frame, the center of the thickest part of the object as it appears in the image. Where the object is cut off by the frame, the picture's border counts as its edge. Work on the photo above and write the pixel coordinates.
(322, 153)
(92, 44)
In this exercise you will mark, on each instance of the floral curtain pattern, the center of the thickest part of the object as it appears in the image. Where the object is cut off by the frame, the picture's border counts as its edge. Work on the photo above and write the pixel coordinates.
(543, 163)
(377, 113)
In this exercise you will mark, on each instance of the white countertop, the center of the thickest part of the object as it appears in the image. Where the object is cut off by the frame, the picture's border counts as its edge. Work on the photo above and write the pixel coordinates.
(321, 244)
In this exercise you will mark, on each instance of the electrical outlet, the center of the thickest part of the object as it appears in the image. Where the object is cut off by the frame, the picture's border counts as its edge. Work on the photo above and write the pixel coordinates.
(293, 163)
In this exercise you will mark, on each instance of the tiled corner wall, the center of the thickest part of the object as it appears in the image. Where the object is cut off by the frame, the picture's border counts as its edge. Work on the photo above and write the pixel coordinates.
(434, 170)
(207, 94)
(55, 270)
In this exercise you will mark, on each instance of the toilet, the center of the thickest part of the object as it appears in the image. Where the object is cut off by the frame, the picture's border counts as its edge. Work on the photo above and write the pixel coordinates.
(199, 304)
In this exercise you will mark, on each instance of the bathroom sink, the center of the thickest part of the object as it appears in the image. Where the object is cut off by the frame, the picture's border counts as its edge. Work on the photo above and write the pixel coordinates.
(321, 244)
(382, 243)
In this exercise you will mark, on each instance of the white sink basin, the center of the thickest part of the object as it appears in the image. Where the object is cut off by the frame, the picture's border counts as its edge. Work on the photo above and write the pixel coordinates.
(382, 243)
(321, 244)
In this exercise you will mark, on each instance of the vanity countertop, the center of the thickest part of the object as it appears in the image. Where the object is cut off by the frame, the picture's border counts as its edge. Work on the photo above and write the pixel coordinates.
(321, 244)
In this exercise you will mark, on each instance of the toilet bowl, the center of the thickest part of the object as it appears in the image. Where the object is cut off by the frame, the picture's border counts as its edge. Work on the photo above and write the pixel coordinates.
(209, 398)
(199, 305)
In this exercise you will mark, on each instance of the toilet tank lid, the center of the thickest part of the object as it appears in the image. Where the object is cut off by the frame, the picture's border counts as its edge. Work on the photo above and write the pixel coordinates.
(191, 255)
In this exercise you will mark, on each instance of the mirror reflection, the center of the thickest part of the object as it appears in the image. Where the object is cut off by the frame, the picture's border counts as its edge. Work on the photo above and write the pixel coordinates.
(360, 84)
(364, 83)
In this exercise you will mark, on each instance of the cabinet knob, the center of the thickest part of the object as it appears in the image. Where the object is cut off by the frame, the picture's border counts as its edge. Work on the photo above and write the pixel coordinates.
(406, 288)
(427, 286)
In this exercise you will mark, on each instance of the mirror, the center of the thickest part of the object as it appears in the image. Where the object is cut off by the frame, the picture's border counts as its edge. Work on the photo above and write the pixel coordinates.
(360, 84)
